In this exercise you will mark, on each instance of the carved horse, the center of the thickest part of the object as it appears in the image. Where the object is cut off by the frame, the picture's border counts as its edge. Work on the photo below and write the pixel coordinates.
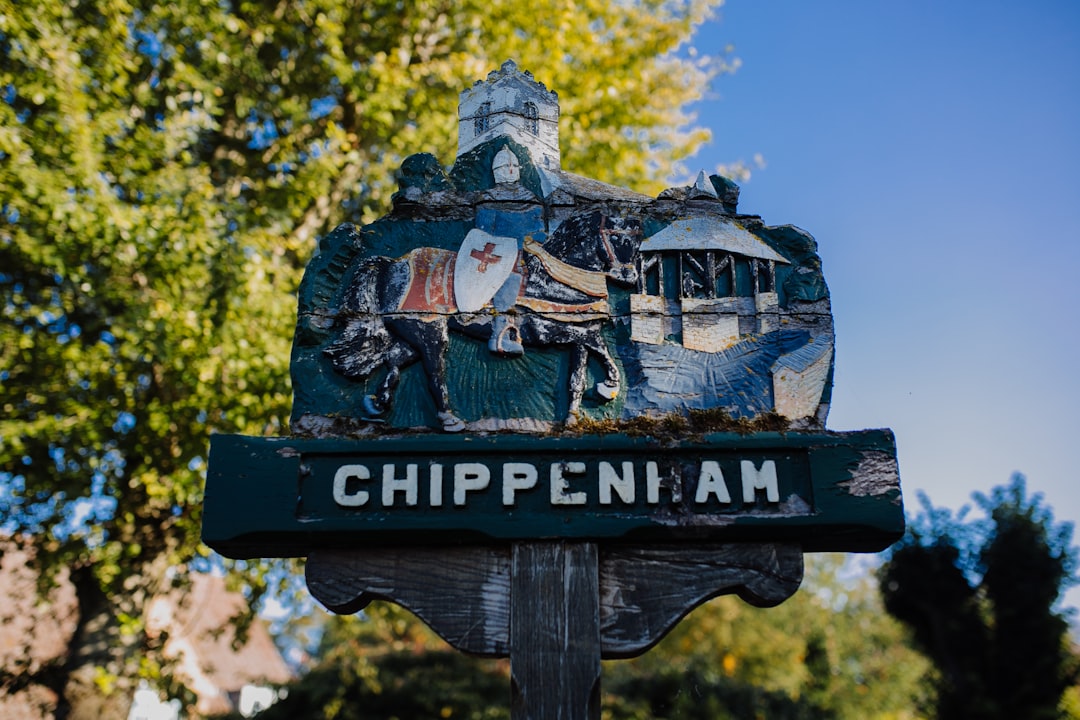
(395, 312)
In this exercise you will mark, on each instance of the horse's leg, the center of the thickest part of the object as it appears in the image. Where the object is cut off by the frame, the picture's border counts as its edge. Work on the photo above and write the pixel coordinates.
(430, 340)
(581, 339)
(435, 366)
(590, 338)
(609, 388)
(579, 360)
(379, 403)
(590, 341)
(399, 355)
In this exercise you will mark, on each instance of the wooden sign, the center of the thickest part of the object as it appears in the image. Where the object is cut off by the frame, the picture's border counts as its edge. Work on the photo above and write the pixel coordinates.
(550, 416)
(288, 496)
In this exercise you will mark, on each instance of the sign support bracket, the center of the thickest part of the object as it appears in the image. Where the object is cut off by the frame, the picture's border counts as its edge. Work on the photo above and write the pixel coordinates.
(556, 608)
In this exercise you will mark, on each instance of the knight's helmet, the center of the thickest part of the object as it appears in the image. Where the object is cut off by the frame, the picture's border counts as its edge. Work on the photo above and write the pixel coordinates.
(511, 103)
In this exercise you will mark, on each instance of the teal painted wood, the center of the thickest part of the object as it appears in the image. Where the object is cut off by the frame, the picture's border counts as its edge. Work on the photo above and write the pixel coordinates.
(285, 496)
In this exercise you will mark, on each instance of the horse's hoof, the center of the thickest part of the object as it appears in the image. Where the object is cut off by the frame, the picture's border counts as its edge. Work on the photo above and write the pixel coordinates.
(451, 422)
(370, 406)
(607, 391)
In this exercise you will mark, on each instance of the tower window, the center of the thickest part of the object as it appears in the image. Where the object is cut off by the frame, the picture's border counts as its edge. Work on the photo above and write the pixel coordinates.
(532, 119)
(481, 122)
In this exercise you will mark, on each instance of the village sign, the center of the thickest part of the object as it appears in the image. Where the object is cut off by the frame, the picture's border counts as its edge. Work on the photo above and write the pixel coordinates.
(520, 370)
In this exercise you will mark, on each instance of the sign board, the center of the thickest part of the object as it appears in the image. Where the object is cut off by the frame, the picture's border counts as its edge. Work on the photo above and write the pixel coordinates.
(287, 496)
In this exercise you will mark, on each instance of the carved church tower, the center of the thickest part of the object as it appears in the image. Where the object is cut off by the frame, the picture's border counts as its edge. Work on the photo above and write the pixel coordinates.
(511, 103)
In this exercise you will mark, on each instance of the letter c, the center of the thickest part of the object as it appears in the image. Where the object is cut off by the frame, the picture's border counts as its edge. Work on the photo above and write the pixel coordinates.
(341, 477)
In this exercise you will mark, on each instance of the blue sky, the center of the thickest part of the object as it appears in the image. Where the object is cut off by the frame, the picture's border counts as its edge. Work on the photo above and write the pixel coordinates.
(933, 149)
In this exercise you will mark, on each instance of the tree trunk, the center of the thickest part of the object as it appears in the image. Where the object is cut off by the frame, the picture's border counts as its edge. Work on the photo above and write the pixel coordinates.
(96, 686)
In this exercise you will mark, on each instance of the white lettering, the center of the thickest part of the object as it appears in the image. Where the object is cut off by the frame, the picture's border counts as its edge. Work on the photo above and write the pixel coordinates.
(711, 482)
(467, 477)
(436, 485)
(763, 479)
(341, 477)
(392, 484)
(517, 476)
(610, 480)
(653, 483)
(560, 494)
(571, 483)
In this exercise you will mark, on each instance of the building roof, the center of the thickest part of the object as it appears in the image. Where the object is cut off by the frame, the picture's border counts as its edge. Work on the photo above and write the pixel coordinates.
(711, 233)
(36, 632)
(585, 188)
(33, 631)
(200, 620)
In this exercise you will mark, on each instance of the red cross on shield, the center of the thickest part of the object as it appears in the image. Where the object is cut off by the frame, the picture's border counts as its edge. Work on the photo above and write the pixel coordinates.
(485, 256)
(483, 264)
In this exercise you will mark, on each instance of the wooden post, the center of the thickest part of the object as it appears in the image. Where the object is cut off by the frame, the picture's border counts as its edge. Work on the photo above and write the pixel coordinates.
(555, 631)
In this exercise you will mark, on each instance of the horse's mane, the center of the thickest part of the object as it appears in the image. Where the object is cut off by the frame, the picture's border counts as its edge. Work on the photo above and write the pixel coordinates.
(565, 243)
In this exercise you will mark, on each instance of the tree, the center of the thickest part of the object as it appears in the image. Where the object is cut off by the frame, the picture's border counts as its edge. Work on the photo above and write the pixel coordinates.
(827, 652)
(164, 170)
(386, 663)
(980, 596)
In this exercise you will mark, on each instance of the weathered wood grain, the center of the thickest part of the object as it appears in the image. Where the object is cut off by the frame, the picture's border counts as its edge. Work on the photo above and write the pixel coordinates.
(645, 590)
(554, 632)
(465, 593)
(462, 593)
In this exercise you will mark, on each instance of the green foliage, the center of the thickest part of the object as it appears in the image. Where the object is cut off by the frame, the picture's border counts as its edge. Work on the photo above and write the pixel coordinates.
(384, 663)
(164, 171)
(979, 597)
(829, 650)
(405, 686)
(695, 693)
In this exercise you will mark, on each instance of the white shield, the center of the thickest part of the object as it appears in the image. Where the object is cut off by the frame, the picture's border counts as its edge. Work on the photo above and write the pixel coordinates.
(483, 264)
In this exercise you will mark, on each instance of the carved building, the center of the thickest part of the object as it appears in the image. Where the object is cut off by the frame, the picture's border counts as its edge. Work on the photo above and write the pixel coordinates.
(705, 282)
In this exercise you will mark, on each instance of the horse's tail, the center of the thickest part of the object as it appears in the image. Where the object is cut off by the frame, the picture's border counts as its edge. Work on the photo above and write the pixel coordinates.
(363, 341)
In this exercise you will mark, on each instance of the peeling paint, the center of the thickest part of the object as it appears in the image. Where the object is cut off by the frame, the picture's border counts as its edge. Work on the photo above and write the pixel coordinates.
(876, 474)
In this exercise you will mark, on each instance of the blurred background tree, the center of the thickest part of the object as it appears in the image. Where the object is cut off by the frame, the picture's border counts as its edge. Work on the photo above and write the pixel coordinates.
(827, 652)
(980, 597)
(165, 169)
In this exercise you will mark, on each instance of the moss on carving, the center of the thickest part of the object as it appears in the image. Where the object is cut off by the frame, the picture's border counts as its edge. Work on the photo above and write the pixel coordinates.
(676, 426)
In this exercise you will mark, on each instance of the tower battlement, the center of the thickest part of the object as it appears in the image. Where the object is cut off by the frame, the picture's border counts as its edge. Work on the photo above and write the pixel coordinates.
(511, 103)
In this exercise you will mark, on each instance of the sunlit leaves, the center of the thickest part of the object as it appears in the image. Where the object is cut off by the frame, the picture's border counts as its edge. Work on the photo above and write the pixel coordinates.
(829, 647)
